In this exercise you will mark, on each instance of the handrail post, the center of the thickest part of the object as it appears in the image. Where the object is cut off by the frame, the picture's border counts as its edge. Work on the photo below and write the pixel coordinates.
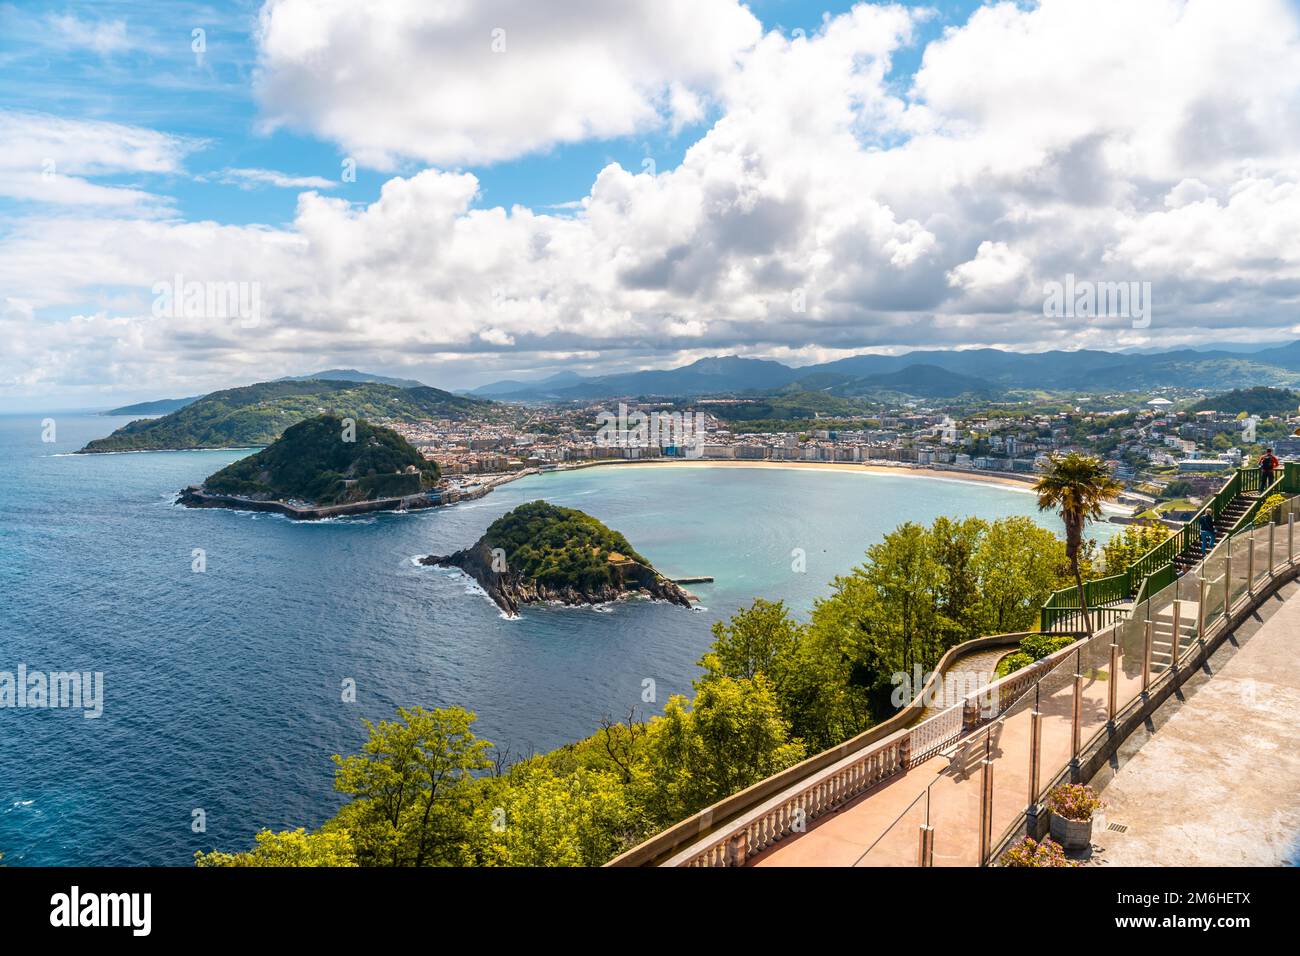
(1146, 657)
(986, 810)
(1272, 559)
(1178, 627)
(1035, 760)
(1290, 536)
(1200, 608)
(1227, 578)
(1076, 720)
(925, 849)
(1113, 688)
(1250, 564)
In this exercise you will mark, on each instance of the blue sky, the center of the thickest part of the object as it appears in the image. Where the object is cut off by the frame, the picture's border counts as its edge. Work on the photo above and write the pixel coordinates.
(153, 79)
(813, 192)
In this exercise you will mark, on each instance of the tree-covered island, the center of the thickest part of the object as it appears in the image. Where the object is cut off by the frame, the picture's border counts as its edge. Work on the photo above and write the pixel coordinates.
(541, 552)
(323, 461)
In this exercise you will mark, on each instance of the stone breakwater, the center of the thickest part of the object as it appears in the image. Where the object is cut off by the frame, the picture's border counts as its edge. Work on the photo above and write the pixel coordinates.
(197, 498)
(510, 589)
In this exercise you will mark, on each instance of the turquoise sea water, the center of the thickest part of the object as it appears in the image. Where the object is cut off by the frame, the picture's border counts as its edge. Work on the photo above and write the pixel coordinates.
(223, 688)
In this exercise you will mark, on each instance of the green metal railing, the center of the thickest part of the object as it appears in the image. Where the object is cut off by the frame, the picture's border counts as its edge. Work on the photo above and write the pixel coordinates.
(1155, 569)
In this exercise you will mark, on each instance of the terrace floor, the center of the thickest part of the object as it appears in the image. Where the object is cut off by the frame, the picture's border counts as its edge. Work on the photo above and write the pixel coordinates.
(1214, 778)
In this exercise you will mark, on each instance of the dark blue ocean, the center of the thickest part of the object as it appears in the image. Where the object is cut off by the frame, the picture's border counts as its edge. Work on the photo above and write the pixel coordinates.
(222, 689)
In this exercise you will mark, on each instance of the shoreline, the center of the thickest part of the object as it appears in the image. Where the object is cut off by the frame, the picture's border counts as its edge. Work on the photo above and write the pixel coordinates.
(1007, 479)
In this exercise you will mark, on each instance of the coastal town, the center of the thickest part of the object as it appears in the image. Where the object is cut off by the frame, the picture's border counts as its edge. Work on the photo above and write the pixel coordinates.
(1168, 453)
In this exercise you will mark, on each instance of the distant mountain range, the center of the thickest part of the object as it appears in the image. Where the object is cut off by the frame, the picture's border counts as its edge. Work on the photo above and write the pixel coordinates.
(929, 374)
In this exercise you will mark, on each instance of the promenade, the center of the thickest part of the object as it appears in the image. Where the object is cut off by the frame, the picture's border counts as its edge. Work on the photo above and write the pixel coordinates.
(1218, 782)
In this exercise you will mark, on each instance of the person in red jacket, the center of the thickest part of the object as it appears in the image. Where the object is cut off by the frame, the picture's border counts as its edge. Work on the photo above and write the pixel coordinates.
(1267, 466)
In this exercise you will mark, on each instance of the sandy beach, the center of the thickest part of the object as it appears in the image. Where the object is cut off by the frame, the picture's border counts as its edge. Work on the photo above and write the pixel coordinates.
(1013, 481)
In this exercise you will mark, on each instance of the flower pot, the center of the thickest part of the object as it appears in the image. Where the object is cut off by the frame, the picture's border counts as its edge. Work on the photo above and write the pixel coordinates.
(1071, 834)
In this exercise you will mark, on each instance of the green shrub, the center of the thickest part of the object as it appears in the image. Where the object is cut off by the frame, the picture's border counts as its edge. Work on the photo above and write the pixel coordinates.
(1013, 662)
(1039, 646)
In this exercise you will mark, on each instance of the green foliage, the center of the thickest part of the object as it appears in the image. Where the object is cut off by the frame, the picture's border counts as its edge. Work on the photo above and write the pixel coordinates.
(1267, 509)
(1131, 543)
(560, 547)
(1260, 400)
(312, 462)
(1039, 646)
(258, 414)
(288, 848)
(409, 787)
(1012, 663)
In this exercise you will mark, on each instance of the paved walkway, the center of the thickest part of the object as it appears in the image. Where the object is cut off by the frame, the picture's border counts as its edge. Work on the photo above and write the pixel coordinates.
(1218, 781)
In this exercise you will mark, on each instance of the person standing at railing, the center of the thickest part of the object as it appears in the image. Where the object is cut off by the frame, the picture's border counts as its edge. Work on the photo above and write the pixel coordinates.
(1207, 532)
(1267, 465)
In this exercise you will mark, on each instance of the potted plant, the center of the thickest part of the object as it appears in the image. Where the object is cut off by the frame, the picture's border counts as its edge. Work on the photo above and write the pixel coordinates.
(1072, 807)
(1029, 852)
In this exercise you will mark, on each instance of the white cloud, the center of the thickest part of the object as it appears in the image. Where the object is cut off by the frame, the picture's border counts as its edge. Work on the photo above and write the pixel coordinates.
(247, 178)
(52, 159)
(1132, 142)
(471, 82)
(100, 36)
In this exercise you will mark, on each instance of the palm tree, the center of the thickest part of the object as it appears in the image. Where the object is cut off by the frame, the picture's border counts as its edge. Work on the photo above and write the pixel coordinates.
(1076, 485)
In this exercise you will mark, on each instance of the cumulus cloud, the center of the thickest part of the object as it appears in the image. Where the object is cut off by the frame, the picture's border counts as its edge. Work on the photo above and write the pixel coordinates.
(473, 82)
(827, 208)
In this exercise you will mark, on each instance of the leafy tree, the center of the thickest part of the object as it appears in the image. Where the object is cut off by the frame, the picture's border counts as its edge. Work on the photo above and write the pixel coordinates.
(408, 785)
(1076, 485)
(757, 640)
(537, 817)
(732, 736)
(1017, 565)
(1131, 543)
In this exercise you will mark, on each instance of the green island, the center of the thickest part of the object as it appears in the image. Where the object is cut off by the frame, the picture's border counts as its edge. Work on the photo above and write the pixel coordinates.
(256, 415)
(323, 461)
(541, 552)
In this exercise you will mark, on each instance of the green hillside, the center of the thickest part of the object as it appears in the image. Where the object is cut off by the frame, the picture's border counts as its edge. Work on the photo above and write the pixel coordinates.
(1257, 401)
(313, 461)
(558, 547)
(258, 414)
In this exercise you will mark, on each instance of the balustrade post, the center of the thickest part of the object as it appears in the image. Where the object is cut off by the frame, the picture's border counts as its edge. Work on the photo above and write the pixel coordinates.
(1250, 563)
(986, 810)
(1290, 536)
(1271, 558)
(1227, 579)
(1200, 609)
(1178, 624)
(737, 849)
(1076, 720)
(1035, 763)
(904, 753)
(1146, 657)
(925, 851)
(1112, 691)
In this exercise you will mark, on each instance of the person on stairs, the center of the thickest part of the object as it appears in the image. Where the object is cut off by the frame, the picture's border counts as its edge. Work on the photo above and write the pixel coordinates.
(1207, 532)
(1267, 466)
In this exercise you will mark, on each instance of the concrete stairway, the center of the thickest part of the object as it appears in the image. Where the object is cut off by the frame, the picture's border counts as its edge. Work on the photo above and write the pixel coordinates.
(1227, 519)
(1162, 634)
